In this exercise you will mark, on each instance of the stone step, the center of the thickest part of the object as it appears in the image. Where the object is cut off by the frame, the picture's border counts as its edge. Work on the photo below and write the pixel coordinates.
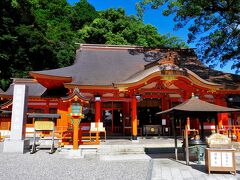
(113, 150)
(85, 151)
(89, 152)
(124, 157)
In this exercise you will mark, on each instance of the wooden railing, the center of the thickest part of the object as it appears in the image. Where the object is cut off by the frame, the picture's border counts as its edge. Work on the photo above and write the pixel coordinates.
(65, 134)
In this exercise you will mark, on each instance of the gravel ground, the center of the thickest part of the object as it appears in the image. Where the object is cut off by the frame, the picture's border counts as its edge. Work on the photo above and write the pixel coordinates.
(43, 165)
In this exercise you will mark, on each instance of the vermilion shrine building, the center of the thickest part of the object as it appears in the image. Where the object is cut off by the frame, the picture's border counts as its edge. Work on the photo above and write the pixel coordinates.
(125, 86)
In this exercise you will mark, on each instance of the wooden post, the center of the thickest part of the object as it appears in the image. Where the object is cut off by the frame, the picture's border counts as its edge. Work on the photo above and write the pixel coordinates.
(186, 145)
(202, 127)
(97, 117)
(188, 123)
(175, 137)
(220, 122)
(75, 133)
(234, 117)
(216, 123)
(231, 125)
(134, 118)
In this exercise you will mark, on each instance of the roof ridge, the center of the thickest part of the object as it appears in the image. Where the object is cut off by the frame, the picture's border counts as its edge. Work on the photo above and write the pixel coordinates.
(108, 46)
(124, 47)
(24, 80)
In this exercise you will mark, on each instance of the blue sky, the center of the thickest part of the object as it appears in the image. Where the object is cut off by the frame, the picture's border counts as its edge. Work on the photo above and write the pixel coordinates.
(162, 23)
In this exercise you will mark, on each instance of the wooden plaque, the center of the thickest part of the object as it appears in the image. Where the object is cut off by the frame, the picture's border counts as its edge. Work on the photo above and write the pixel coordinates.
(44, 125)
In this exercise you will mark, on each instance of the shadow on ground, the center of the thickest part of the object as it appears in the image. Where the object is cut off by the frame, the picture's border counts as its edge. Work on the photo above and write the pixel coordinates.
(155, 153)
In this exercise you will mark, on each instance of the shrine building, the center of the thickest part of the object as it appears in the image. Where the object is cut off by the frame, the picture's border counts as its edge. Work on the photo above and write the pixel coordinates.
(124, 87)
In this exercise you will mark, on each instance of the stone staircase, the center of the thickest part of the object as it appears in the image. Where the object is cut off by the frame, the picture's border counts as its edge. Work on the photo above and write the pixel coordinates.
(122, 152)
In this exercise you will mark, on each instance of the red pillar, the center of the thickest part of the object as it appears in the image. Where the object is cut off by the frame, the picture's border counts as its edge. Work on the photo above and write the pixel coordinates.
(234, 117)
(222, 117)
(97, 111)
(165, 106)
(165, 103)
(97, 115)
(134, 118)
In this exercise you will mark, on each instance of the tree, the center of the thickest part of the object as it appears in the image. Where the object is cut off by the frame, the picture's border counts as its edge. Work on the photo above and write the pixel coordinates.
(214, 25)
(82, 13)
(115, 27)
(53, 21)
(34, 35)
(11, 54)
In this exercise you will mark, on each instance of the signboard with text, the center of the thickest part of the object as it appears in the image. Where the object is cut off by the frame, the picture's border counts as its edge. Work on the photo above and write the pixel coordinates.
(220, 160)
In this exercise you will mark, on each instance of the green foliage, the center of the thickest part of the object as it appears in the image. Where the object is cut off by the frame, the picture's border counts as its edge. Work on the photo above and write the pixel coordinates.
(115, 27)
(41, 34)
(214, 26)
(4, 83)
(35, 35)
(82, 13)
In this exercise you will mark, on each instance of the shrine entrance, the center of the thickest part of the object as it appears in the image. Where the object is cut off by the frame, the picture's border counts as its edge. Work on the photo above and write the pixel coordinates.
(146, 112)
(112, 117)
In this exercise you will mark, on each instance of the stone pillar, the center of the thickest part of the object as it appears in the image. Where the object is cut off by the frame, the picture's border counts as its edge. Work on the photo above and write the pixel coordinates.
(17, 143)
(134, 118)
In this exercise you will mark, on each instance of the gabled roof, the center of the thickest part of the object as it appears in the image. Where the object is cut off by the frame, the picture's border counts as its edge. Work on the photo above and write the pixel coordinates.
(1, 91)
(76, 95)
(104, 65)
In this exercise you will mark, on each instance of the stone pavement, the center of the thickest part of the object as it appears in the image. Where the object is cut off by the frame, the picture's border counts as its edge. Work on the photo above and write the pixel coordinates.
(169, 169)
(45, 166)
(156, 165)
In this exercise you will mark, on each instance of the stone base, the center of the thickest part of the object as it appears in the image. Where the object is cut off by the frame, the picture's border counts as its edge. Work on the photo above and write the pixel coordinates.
(16, 146)
(74, 154)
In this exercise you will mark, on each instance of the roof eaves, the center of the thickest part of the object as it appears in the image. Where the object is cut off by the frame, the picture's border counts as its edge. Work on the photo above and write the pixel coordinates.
(199, 78)
(39, 75)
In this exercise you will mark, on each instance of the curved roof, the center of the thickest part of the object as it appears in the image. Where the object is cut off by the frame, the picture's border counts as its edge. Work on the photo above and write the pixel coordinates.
(230, 81)
(100, 67)
(160, 69)
(103, 65)
(142, 74)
